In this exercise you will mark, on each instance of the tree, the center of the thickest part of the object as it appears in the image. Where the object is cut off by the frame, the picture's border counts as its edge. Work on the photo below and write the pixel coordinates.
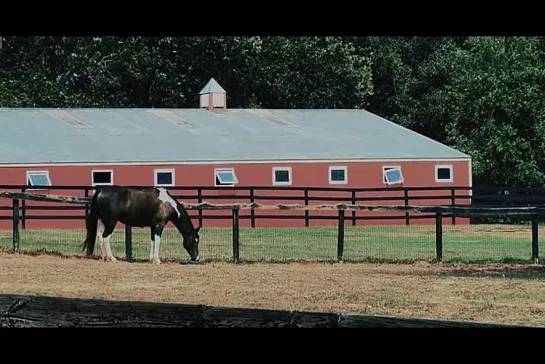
(489, 102)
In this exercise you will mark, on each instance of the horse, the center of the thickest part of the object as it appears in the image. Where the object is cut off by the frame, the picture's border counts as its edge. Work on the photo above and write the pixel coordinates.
(140, 207)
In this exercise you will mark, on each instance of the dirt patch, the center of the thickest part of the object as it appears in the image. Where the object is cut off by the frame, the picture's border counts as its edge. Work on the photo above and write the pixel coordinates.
(464, 231)
(495, 293)
(496, 231)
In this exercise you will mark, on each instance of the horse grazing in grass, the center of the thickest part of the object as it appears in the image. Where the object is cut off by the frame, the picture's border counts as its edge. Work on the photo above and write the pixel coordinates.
(140, 207)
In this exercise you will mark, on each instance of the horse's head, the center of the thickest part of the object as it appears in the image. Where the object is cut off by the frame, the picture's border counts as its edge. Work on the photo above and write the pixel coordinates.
(191, 243)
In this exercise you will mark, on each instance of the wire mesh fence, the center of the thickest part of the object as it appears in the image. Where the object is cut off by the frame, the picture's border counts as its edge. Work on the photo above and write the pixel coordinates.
(338, 239)
(461, 243)
(386, 242)
(288, 244)
(490, 242)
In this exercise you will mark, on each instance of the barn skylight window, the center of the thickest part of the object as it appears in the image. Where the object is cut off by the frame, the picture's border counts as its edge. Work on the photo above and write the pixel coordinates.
(102, 178)
(164, 177)
(38, 178)
(443, 173)
(282, 175)
(392, 175)
(338, 175)
(225, 177)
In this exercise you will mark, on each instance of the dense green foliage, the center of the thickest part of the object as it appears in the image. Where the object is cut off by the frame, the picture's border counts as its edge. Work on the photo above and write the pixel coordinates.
(481, 95)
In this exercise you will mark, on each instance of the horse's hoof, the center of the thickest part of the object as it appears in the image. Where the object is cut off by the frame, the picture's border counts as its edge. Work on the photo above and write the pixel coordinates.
(156, 261)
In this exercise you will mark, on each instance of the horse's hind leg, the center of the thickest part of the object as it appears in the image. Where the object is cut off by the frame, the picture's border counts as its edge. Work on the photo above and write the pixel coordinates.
(100, 237)
(108, 231)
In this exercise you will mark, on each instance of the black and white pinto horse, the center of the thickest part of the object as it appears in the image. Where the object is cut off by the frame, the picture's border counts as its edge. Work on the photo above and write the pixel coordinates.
(140, 207)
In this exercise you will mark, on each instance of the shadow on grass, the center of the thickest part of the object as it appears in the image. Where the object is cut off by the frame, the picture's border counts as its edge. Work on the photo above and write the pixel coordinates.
(496, 270)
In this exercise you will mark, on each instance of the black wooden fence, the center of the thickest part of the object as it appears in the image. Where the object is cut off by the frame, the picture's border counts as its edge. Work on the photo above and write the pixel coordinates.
(532, 214)
(407, 196)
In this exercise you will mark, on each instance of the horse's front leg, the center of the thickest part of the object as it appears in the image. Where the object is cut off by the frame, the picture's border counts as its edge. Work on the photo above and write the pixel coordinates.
(151, 243)
(157, 243)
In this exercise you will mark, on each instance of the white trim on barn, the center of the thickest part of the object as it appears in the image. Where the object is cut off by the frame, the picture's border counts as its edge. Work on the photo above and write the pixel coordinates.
(208, 162)
(470, 179)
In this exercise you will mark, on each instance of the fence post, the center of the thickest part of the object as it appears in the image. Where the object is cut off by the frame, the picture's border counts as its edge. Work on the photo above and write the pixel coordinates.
(439, 237)
(535, 239)
(453, 203)
(306, 211)
(406, 199)
(128, 243)
(23, 211)
(252, 210)
(353, 211)
(236, 240)
(199, 198)
(340, 236)
(16, 224)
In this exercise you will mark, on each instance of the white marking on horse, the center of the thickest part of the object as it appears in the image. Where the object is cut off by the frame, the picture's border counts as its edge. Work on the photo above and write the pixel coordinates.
(100, 231)
(109, 253)
(104, 243)
(157, 241)
(165, 197)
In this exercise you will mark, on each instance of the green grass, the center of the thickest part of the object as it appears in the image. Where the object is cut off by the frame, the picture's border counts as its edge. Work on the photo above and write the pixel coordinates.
(462, 243)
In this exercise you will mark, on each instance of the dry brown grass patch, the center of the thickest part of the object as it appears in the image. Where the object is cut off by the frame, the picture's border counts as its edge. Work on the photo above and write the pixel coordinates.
(493, 292)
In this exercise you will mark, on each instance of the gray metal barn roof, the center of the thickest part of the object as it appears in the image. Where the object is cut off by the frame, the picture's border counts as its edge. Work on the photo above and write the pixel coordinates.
(177, 135)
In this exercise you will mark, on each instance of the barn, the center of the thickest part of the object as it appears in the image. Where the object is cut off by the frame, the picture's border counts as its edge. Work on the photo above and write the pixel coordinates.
(212, 145)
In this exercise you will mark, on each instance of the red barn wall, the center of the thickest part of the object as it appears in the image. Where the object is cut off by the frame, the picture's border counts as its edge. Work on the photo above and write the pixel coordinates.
(366, 174)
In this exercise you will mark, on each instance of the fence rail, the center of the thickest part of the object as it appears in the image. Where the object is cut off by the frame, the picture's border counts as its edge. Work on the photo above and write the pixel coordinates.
(406, 196)
(530, 214)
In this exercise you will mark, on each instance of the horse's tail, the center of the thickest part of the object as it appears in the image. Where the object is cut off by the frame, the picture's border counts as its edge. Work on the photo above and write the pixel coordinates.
(91, 224)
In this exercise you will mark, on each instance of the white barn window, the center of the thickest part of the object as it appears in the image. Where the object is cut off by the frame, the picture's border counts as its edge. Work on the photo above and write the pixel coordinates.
(338, 175)
(102, 177)
(392, 175)
(164, 178)
(38, 178)
(281, 175)
(443, 173)
(225, 177)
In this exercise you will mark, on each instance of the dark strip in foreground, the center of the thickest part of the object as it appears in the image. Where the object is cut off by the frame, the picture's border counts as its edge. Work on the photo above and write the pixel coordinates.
(39, 311)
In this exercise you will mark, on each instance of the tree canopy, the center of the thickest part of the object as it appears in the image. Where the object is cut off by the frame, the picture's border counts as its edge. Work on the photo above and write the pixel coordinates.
(480, 95)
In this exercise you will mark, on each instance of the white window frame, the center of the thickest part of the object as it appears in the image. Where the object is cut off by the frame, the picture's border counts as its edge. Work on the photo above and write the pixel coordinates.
(232, 170)
(385, 181)
(337, 168)
(99, 171)
(28, 173)
(287, 169)
(171, 171)
(444, 166)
